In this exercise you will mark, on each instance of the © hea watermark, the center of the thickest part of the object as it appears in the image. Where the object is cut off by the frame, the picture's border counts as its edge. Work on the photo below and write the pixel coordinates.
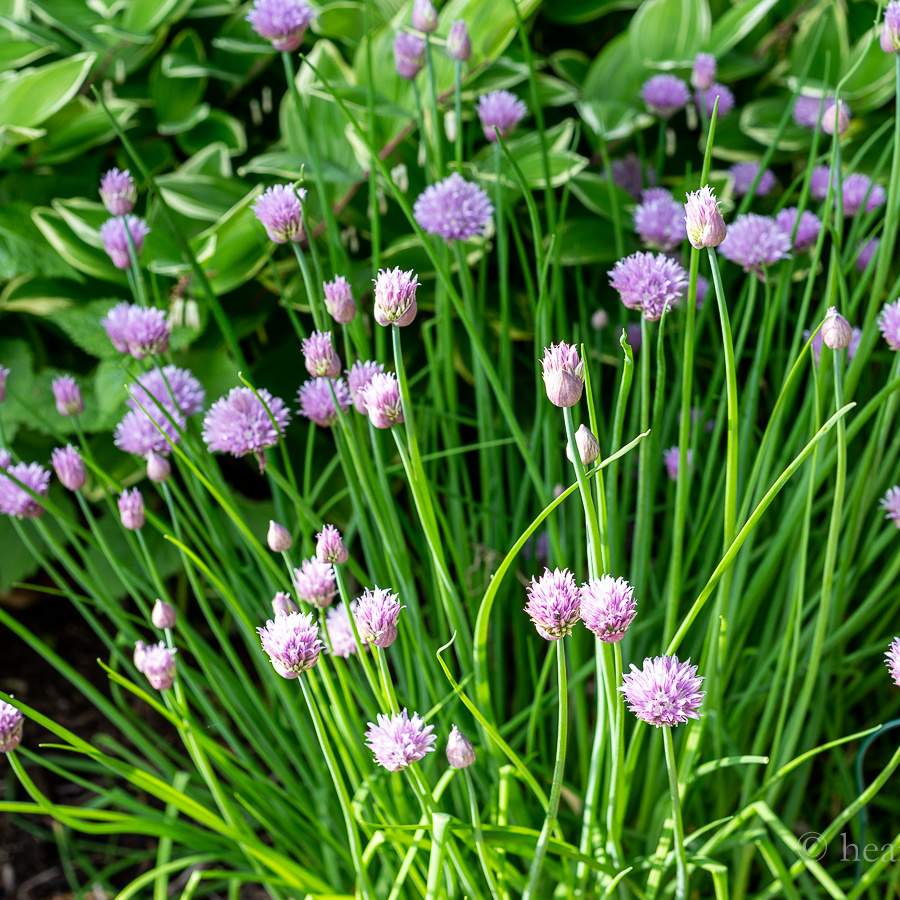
(812, 847)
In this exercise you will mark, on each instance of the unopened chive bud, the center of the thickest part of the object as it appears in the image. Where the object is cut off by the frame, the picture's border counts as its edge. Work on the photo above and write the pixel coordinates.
(279, 538)
(836, 330)
(588, 448)
(460, 752)
(164, 615)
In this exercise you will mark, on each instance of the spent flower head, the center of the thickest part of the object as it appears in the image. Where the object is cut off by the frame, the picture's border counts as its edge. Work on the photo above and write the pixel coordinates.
(114, 234)
(280, 210)
(395, 297)
(664, 95)
(315, 583)
(291, 642)
(553, 603)
(376, 615)
(608, 607)
(69, 467)
(118, 193)
(454, 209)
(664, 692)
(500, 110)
(651, 283)
(563, 374)
(282, 22)
(15, 500)
(317, 400)
(398, 740)
(703, 220)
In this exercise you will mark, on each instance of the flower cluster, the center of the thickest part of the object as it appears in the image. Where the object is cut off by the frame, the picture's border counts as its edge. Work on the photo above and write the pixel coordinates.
(755, 241)
(664, 692)
(454, 209)
(554, 603)
(242, 422)
(157, 662)
(139, 330)
(291, 642)
(315, 583)
(15, 500)
(649, 282)
(563, 374)
(658, 220)
(282, 22)
(376, 616)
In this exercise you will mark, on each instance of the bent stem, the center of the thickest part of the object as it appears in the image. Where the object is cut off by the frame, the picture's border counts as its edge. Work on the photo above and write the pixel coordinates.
(680, 859)
(540, 851)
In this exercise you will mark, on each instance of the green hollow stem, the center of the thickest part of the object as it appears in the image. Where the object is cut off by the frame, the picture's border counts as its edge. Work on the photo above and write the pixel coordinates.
(311, 293)
(660, 150)
(681, 886)
(540, 850)
(479, 834)
(140, 293)
(435, 120)
(387, 684)
(457, 109)
(360, 646)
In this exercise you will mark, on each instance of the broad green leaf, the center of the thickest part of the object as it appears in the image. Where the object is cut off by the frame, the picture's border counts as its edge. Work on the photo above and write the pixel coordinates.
(338, 20)
(82, 324)
(578, 12)
(174, 100)
(23, 249)
(592, 190)
(14, 54)
(30, 97)
(759, 121)
(833, 43)
(615, 75)
(736, 23)
(872, 84)
(86, 258)
(203, 197)
(218, 127)
(143, 16)
(16, 356)
(79, 126)
(669, 31)
(586, 240)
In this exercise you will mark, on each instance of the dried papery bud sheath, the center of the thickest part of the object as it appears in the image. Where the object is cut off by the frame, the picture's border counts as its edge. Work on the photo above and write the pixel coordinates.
(588, 447)
(280, 210)
(67, 394)
(131, 509)
(11, 725)
(890, 31)
(381, 398)
(704, 73)
(158, 664)
(69, 467)
(608, 607)
(459, 45)
(158, 467)
(278, 537)
(291, 642)
(114, 234)
(320, 356)
(377, 612)
(424, 16)
(282, 22)
(282, 605)
(664, 692)
(4, 374)
(164, 615)
(330, 546)
(563, 374)
(553, 604)
(836, 118)
(836, 331)
(395, 297)
(339, 300)
(893, 660)
(460, 752)
(117, 191)
(409, 55)
(14, 500)
(398, 740)
(704, 223)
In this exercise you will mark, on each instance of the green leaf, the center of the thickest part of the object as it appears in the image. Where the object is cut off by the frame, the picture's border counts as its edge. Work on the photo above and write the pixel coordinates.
(578, 12)
(592, 190)
(23, 250)
(82, 325)
(586, 240)
(872, 84)
(615, 75)
(143, 16)
(203, 197)
(736, 23)
(14, 54)
(88, 259)
(79, 126)
(175, 101)
(17, 563)
(217, 127)
(669, 31)
(17, 357)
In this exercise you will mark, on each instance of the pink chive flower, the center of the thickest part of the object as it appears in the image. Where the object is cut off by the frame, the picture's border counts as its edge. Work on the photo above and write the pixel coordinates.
(158, 467)
(175, 389)
(4, 374)
(69, 401)
(554, 603)
(69, 467)
(671, 458)
(665, 95)
(5, 460)
(12, 722)
(291, 643)
(859, 192)
(139, 330)
(330, 546)
(131, 509)
(339, 300)
(460, 752)
(665, 692)
(157, 662)
(424, 16)
(501, 110)
(704, 74)
(149, 434)
(376, 616)
(381, 397)
(744, 173)
(398, 740)
(240, 423)
(629, 175)
(395, 297)
(807, 231)
(563, 374)
(315, 583)
(703, 220)
(754, 241)
(708, 97)
(866, 253)
(282, 22)
(280, 210)
(819, 181)
(282, 605)
(454, 209)
(659, 221)
(317, 402)
(114, 235)
(409, 55)
(118, 193)
(320, 357)
(890, 31)
(893, 658)
(459, 45)
(358, 376)
(889, 324)
(650, 283)
(16, 501)
(890, 503)
(340, 631)
(608, 607)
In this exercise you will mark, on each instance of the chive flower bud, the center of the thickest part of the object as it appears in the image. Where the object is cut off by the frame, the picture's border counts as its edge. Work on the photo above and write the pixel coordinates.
(460, 752)
(117, 191)
(704, 223)
(67, 394)
(424, 16)
(459, 45)
(131, 509)
(279, 538)
(11, 724)
(588, 447)
(164, 615)
(330, 546)
(69, 467)
(836, 330)
(563, 374)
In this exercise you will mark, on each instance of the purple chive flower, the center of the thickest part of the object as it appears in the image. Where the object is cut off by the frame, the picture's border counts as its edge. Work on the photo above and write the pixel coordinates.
(628, 174)
(704, 74)
(340, 631)
(665, 692)
(460, 752)
(819, 181)
(744, 173)
(806, 111)
(454, 208)
(836, 331)
(118, 193)
(282, 605)
(278, 537)
(114, 234)
(608, 607)
(163, 615)
(358, 376)
(648, 282)
(502, 110)
(671, 458)
(890, 503)
(659, 220)
(703, 220)
(890, 32)
(708, 97)
(376, 617)
(315, 583)
(424, 16)
(317, 403)
(139, 330)
(5, 460)
(892, 655)
(755, 241)
(4, 374)
(69, 467)
(665, 95)
(240, 423)
(858, 189)
(11, 724)
(395, 295)
(330, 546)
(889, 324)
(865, 254)
(157, 662)
(149, 435)
(16, 501)
(339, 300)
(177, 390)
(563, 374)
(280, 209)
(283, 22)
(69, 401)
(381, 397)
(459, 46)
(291, 642)
(807, 231)
(553, 603)
(397, 741)
(409, 55)
(318, 352)
(131, 509)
